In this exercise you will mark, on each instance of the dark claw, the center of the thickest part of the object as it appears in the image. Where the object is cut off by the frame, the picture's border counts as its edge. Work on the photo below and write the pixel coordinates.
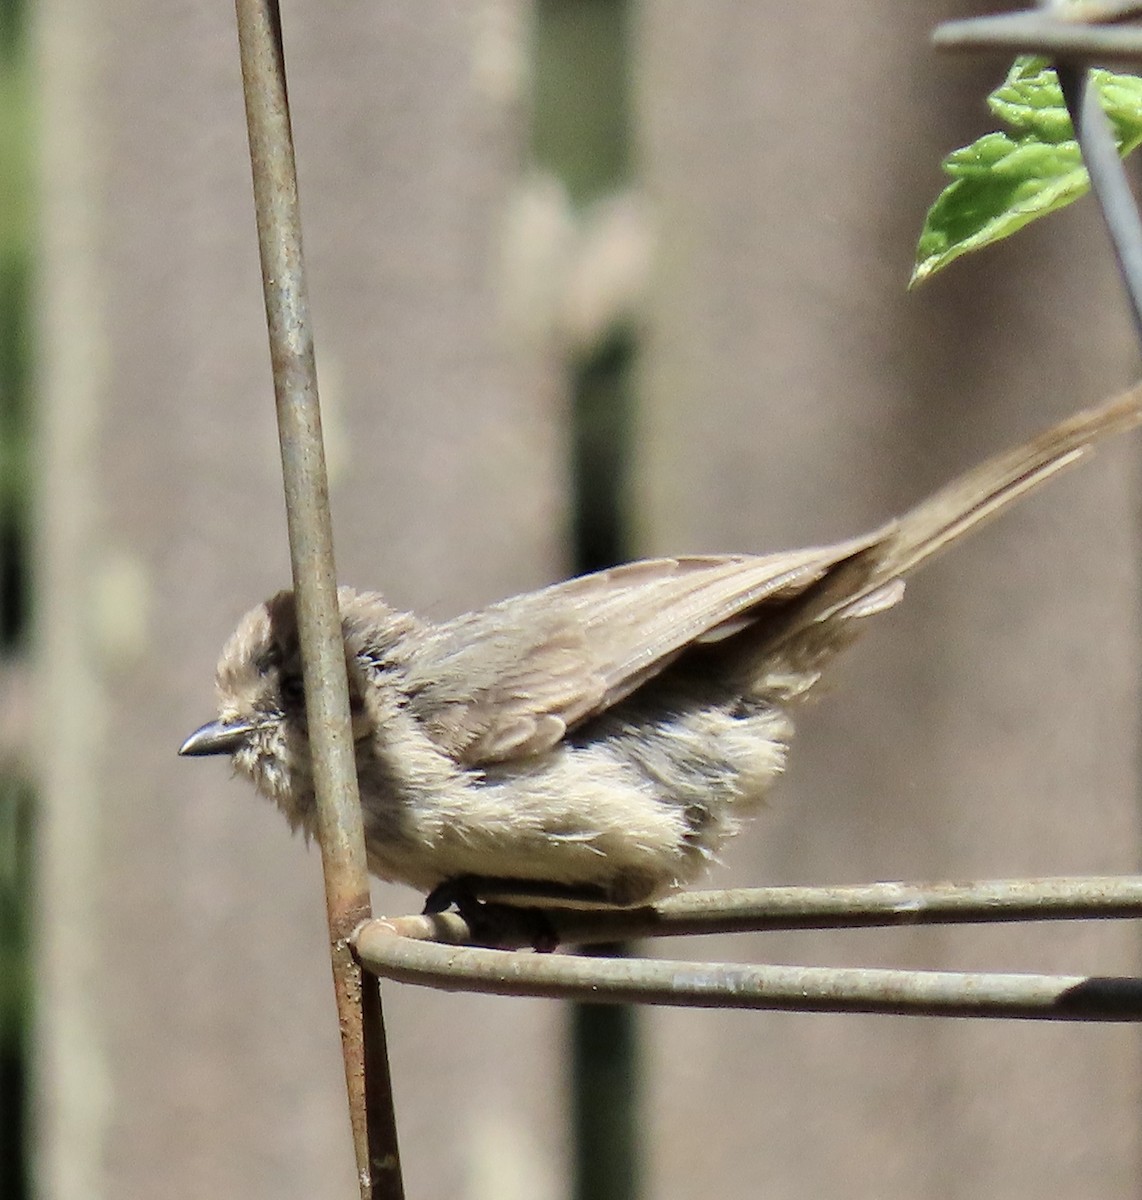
(444, 895)
(492, 925)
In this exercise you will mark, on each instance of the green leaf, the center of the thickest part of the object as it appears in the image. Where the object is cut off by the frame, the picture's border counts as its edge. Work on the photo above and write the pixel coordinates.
(1005, 180)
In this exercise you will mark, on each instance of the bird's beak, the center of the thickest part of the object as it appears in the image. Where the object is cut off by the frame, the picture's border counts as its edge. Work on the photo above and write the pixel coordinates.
(218, 737)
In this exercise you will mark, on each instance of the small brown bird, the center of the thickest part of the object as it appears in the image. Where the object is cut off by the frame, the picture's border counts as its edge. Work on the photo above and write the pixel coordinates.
(596, 741)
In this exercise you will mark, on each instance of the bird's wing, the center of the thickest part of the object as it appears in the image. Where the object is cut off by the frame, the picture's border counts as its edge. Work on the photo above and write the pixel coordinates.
(510, 680)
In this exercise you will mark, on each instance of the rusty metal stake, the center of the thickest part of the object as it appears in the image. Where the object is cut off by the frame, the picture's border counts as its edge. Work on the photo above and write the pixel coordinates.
(311, 553)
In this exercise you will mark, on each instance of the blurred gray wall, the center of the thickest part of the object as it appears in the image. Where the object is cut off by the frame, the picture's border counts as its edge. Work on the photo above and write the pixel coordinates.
(789, 391)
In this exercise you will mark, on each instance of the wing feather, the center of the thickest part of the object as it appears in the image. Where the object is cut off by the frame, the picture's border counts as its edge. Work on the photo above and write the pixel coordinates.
(510, 680)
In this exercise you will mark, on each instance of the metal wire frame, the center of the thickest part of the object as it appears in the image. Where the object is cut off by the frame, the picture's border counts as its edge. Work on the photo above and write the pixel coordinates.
(339, 822)
(729, 985)
(1057, 35)
(400, 948)
(768, 909)
(396, 948)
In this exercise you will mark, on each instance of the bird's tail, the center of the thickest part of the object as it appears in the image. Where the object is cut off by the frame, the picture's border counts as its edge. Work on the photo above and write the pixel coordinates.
(979, 494)
(871, 578)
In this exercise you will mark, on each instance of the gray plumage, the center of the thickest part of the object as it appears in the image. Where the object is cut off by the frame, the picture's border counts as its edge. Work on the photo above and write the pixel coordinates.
(600, 738)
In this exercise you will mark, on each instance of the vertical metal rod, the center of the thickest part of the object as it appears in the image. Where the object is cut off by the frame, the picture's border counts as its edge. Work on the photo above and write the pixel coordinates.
(1107, 175)
(1108, 181)
(339, 822)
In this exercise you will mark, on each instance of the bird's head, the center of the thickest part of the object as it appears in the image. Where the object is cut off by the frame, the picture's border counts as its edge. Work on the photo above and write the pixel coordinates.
(261, 706)
(261, 719)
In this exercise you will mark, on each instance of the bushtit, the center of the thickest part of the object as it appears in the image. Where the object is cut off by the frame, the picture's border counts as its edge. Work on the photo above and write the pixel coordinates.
(598, 740)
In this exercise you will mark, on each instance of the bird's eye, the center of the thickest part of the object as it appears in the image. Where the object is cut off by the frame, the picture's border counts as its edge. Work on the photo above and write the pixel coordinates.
(293, 691)
(269, 659)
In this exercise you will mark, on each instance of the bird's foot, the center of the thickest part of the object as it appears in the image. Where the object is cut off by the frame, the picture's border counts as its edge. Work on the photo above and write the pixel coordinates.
(492, 924)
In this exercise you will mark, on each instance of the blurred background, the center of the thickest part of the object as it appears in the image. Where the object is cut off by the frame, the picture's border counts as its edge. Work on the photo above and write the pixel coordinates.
(591, 279)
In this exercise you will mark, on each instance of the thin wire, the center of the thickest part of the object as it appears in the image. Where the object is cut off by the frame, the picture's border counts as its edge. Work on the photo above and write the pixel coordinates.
(340, 828)
(751, 910)
(399, 948)
(724, 985)
(1035, 33)
(1108, 182)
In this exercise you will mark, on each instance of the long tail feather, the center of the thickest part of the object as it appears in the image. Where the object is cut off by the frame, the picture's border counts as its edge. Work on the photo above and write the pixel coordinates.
(871, 579)
(979, 494)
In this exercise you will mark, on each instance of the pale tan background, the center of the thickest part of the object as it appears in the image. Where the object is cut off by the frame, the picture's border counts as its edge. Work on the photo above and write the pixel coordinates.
(789, 391)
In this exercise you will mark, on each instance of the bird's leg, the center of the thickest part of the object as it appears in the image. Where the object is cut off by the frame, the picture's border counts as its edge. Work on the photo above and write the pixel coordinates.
(493, 908)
